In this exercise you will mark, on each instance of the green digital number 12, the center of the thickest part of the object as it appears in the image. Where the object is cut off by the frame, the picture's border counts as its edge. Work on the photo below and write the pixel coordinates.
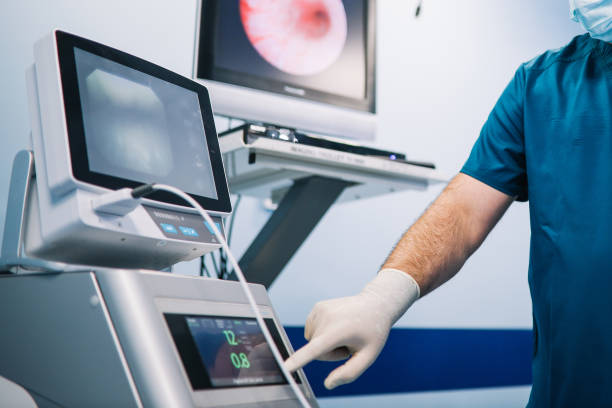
(230, 337)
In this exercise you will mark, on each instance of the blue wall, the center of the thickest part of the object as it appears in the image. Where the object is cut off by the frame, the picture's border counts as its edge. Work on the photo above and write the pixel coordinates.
(416, 360)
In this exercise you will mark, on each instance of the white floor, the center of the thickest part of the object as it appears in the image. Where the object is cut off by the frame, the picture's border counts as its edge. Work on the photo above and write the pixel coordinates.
(14, 396)
(11, 395)
(507, 397)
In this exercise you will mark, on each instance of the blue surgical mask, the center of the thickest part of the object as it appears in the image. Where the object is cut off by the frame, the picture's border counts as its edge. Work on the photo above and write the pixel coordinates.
(595, 16)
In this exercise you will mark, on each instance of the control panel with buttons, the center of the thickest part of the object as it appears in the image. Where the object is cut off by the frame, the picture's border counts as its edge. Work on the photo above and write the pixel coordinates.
(185, 226)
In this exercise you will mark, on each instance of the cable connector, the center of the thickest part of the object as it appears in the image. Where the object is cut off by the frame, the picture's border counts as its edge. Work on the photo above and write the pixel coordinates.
(120, 202)
(143, 191)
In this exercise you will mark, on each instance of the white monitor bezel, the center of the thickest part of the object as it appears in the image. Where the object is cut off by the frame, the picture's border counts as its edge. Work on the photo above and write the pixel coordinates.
(59, 163)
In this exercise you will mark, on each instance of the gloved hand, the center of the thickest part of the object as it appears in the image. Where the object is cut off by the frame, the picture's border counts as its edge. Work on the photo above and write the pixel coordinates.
(355, 326)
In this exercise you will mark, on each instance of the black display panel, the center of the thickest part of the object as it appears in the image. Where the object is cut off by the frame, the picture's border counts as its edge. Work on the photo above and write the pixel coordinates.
(222, 352)
(131, 122)
(322, 50)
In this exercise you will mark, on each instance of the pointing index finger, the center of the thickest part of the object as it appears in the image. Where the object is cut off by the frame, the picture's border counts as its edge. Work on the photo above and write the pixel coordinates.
(311, 351)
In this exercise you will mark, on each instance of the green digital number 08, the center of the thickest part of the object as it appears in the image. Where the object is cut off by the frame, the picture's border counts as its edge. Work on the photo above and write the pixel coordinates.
(240, 360)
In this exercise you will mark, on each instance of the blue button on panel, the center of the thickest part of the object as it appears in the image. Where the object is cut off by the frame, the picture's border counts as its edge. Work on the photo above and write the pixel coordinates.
(168, 228)
(188, 231)
(209, 227)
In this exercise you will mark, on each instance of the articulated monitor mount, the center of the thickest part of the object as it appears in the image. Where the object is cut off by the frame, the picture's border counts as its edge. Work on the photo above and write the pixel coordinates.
(297, 214)
(306, 175)
(11, 257)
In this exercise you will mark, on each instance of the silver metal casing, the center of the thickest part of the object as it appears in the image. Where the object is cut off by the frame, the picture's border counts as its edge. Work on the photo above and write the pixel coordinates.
(99, 338)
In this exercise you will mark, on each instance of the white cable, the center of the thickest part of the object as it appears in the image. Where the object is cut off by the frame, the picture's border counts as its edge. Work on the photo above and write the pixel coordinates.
(243, 283)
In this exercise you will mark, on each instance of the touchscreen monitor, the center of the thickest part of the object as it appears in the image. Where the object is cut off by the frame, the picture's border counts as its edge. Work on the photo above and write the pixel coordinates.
(131, 122)
(221, 351)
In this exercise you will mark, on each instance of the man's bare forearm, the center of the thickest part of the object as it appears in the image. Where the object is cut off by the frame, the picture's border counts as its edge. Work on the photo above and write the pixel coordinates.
(437, 245)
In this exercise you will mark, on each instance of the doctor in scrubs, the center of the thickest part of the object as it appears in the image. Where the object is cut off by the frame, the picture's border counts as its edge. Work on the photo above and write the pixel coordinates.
(548, 140)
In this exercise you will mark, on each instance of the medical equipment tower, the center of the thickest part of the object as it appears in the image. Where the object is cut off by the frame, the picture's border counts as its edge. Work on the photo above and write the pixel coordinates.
(88, 319)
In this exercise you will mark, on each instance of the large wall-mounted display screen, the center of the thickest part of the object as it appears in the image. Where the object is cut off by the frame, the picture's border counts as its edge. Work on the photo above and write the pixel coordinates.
(321, 50)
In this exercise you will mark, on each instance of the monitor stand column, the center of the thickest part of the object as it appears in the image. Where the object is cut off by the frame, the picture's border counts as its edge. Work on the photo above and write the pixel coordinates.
(297, 215)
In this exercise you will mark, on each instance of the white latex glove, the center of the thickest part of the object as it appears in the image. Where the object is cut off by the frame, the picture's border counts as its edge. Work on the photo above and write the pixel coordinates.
(355, 326)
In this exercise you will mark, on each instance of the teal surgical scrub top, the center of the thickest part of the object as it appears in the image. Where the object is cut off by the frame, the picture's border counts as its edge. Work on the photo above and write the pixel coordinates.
(549, 140)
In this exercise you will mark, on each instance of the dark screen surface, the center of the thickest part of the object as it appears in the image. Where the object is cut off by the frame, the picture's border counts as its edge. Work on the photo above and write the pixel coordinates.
(131, 122)
(221, 352)
(321, 50)
(141, 127)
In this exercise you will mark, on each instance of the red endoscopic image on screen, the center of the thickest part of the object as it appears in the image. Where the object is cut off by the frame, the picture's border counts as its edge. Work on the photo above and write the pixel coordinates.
(299, 37)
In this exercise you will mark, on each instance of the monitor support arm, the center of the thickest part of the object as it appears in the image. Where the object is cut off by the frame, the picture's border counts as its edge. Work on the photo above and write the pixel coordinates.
(21, 175)
(12, 258)
(298, 213)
